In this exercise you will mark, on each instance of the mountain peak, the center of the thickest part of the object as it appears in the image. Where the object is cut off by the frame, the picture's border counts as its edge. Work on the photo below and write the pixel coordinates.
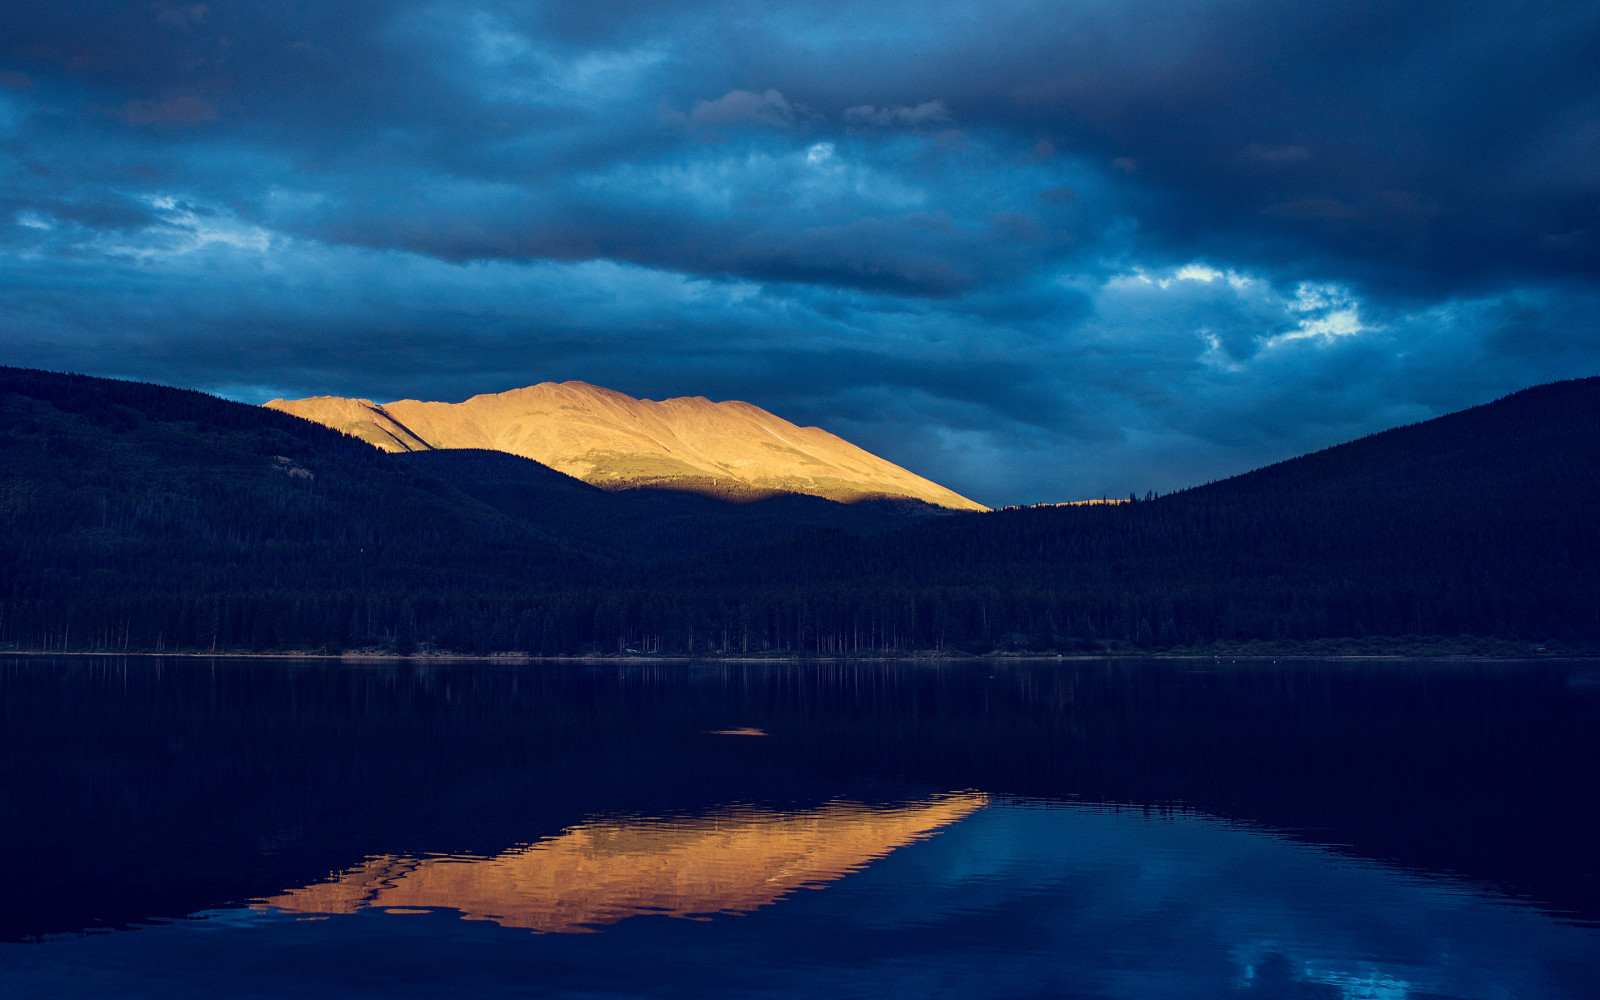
(614, 441)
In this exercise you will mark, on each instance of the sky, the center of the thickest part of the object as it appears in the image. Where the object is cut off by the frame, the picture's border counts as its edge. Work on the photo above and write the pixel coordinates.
(1035, 251)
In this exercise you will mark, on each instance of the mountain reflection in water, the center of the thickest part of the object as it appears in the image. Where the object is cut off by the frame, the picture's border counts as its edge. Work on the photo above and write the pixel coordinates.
(729, 861)
(1123, 829)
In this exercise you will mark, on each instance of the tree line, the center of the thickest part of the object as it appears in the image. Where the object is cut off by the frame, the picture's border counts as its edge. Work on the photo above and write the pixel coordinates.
(140, 518)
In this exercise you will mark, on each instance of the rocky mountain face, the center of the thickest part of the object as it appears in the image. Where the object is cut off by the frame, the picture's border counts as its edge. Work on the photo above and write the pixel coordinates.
(613, 441)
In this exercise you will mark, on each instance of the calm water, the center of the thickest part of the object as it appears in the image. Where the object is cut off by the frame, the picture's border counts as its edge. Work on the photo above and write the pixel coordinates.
(198, 828)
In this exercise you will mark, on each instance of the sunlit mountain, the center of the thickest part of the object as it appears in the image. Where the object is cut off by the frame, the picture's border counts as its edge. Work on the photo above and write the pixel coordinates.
(146, 518)
(614, 441)
(730, 861)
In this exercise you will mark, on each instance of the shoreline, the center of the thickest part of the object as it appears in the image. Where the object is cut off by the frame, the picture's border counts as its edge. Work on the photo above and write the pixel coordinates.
(930, 658)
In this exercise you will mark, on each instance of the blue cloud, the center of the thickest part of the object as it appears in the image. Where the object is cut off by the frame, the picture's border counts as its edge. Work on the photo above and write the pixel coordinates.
(1035, 253)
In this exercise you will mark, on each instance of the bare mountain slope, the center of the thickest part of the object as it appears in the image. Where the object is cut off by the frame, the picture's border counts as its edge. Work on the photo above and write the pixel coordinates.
(617, 442)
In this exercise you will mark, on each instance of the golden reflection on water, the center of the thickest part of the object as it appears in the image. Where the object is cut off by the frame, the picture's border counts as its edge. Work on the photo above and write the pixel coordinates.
(732, 860)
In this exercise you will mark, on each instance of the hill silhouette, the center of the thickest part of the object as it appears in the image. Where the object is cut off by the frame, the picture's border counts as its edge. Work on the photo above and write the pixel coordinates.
(137, 516)
(651, 525)
(142, 517)
(1479, 522)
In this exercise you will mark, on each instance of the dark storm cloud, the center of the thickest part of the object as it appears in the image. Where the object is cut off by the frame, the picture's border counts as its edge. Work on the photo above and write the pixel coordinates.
(1429, 143)
(1034, 250)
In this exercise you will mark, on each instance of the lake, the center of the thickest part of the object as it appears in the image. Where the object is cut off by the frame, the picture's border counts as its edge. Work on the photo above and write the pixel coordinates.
(189, 827)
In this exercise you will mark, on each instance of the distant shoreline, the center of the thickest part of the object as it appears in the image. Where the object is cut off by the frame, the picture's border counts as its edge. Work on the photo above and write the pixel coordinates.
(931, 658)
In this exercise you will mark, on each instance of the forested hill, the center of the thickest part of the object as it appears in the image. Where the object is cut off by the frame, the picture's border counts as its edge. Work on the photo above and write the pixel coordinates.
(1501, 453)
(145, 516)
(136, 516)
(1513, 482)
(1481, 522)
(651, 526)
(142, 517)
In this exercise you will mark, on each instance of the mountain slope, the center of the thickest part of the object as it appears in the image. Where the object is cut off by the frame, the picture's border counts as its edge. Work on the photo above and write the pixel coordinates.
(617, 442)
(1480, 522)
(647, 525)
(137, 516)
(140, 516)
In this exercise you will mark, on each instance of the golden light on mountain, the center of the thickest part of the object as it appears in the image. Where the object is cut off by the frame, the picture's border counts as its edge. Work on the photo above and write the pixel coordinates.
(617, 442)
(729, 861)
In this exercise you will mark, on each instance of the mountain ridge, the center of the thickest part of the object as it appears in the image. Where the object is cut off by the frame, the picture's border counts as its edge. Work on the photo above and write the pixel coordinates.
(609, 439)
(138, 517)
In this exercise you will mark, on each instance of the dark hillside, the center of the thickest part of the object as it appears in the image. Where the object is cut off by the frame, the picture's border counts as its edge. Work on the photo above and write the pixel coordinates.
(139, 516)
(1481, 522)
(1505, 452)
(651, 525)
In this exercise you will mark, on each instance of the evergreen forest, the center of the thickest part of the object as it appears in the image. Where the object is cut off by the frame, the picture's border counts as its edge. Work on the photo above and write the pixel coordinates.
(136, 517)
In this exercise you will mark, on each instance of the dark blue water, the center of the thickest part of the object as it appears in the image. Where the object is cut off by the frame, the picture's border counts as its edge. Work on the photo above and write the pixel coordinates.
(188, 828)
